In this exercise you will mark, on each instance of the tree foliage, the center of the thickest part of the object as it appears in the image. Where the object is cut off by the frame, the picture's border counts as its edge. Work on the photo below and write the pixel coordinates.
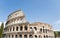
(1, 29)
(57, 34)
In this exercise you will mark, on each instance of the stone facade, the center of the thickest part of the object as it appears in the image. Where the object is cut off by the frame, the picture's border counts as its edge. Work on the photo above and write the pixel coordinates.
(18, 27)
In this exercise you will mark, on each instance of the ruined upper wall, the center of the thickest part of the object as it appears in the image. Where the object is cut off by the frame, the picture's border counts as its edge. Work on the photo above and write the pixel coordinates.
(16, 14)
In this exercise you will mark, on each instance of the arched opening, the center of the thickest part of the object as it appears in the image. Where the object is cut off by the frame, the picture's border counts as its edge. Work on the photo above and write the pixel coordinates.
(20, 36)
(21, 28)
(25, 36)
(41, 30)
(35, 28)
(16, 28)
(30, 36)
(13, 28)
(26, 27)
(35, 36)
(31, 28)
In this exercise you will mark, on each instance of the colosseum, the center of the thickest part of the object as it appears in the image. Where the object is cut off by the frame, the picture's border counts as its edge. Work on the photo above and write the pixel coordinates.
(17, 27)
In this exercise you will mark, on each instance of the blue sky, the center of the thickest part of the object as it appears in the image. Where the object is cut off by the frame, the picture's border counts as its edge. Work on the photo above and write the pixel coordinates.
(47, 11)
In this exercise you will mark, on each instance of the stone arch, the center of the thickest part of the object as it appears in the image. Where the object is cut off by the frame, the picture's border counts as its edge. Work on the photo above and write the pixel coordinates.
(35, 36)
(30, 36)
(17, 28)
(25, 36)
(13, 28)
(25, 27)
(21, 28)
(35, 28)
(40, 29)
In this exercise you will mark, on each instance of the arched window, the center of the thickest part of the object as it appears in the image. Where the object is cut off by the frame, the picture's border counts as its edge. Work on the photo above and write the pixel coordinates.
(30, 27)
(21, 28)
(41, 30)
(26, 27)
(35, 28)
(35, 36)
(16, 28)
(13, 28)
(30, 36)
(25, 36)
(20, 36)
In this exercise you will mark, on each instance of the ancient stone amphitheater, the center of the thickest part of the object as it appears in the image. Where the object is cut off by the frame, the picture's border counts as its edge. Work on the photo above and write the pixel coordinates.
(18, 27)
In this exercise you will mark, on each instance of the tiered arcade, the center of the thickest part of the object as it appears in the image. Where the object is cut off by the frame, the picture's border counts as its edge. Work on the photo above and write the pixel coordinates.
(18, 27)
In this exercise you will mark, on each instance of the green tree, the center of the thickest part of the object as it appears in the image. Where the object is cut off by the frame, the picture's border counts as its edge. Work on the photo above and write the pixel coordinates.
(57, 34)
(1, 29)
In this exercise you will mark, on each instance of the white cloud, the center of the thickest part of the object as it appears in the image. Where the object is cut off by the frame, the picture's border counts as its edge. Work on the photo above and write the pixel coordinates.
(56, 26)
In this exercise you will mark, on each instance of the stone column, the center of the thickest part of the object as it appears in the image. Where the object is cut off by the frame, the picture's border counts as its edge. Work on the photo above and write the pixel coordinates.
(28, 28)
(12, 28)
(33, 36)
(18, 35)
(23, 27)
(37, 36)
(42, 35)
(18, 28)
(9, 29)
(14, 35)
(15, 28)
(27, 35)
